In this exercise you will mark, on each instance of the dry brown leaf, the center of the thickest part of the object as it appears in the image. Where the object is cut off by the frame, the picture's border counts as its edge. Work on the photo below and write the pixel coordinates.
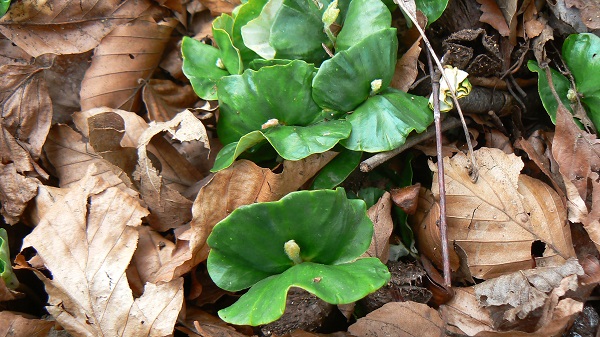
(578, 156)
(16, 190)
(493, 16)
(381, 216)
(495, 138)
(532, 27)
(93, 237)
(205, 324)
(123, 62)
(15, 324)
(11, 54)
(401, 319)
(7, 294)
(65, 26)
(164, 99)
(590, 11)
(496, 220)
(169, 209)
(218, 7)
(407, 68)
(241, 184)
(106, 130)
(407, 198)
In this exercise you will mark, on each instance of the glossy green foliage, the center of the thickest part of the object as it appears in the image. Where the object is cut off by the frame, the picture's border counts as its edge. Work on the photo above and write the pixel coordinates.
(200, 66)
(4, 4)
(561, 86)
(247, 247)
(432, 9)
(281, 92)
(337, 170)
(364, 17)
(344, 81)
(222, 28)
(383, 122)
(9, 278)
(290, 142)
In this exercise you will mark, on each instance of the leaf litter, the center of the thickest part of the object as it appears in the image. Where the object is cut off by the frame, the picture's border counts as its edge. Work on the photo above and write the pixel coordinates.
(118, 213)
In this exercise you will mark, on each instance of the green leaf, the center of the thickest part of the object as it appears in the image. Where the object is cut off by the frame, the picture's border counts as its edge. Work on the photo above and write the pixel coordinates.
(259, 63)
(281, 92)
(384, 121)
(287, 29)
(222, 28)
(245, 13)
(338, 284)
(290, 142)
(344, 81)
(4, 4)
(248, 245)
(370, 195)
(200, 67)
(582, 55)
(432, 9)
(561, 85)
(337, 170)
(10, 279)
(365, 17)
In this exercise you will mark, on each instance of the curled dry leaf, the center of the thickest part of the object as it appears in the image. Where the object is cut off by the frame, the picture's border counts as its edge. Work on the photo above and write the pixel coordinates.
(406, 198)
(169, 209)
(123, 62)
(65, 26)
(93, 235)
(381, 216)
(407, 68)
(526, 303)
(578, 156)
(205, 324)
(590, 11)
(493, 16)
(241, 184)
(400, 319)
(218, 7)
(11, 54)
(496, 220)
(15, 324)
(164, 99)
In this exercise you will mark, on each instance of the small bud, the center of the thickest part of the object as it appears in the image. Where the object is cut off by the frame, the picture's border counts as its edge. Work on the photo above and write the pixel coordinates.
(572, 95)
(220, 63)
(292, 250)
(270, 123)
(331, 14)
(376, 86)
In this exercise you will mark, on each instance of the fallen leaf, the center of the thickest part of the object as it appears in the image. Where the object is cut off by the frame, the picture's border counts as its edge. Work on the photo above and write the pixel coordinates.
(532, 27)
(400, 319)
(11, 54)
(407, 69)
(123, 62)
(492, 15)
(15, 324)
(206, 324)
(241, 184)
(64, 26)
(406, 198)
(7, 294)
(16, 190)
(496, 139)
(502, 212)
(590, 11)
(164, 99)
(381, 216)
(218, 7)
(89, 293)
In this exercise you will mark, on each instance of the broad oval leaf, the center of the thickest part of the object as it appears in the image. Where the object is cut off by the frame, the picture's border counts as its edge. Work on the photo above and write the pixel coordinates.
(337, 170)
(281, 92)
(582, 55)
(200, 67)
(248, 245)
(561, 85)
(222, 28)
(365, 17)
(384, 121)
(344, 81)
(245, 13)
(432, 9)
(338, 284)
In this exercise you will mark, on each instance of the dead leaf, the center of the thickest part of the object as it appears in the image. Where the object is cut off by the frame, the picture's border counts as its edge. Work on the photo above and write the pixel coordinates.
(205, 324)
(64, 26)
(15, 324)
(590, 11)
(532, 27)
(400, 319)
(407, 68)
(381, 216)
(164, 99)
(123, 62)
(241, 184)
(502, 212)
(406, 198)
(16, 190)
(7, 294)
(498, 140)
(493, 16)
(591, 267)
(11, 54)
(218, 7)
(89, 293)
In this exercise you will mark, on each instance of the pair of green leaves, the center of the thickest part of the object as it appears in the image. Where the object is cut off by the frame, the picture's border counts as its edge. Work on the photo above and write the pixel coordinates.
(581, 53)
(247, 250)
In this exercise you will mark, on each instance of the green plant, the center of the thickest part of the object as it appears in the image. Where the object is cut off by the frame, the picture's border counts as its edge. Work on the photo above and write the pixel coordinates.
(268, 247)
(276, 83)
(4, 4)
(581, 53)
(10, 279)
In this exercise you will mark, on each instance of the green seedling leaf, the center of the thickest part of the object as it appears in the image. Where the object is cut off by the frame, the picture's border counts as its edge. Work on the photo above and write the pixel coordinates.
(339, 284)
(384, 121)
(365, 17)
(4, 4)
(370, 195)
(222, 28)
(287, 29)
(247, 250)
(281, 92)
(337, 170)
(246, 13)
(290, 142)
(432, 9)
(10, 279)
(561, 85)
(582, 55)
(201, 67)
(345, 81)
(259, 63)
